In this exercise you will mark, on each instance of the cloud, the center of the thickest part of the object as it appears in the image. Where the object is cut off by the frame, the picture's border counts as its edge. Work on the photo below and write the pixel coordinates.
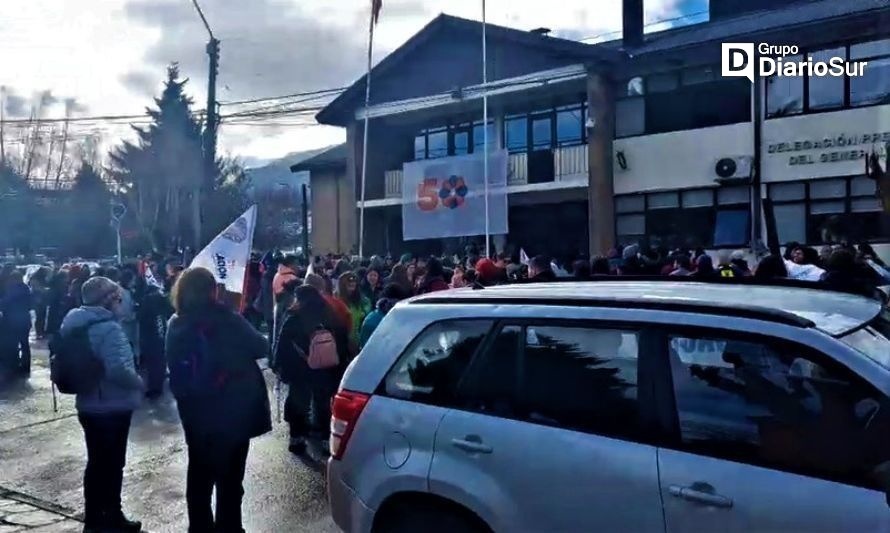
(15, 106)
(141, 83)
(75, 106)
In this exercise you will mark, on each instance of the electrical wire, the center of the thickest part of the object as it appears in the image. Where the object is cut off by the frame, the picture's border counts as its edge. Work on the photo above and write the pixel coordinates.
(648, 25)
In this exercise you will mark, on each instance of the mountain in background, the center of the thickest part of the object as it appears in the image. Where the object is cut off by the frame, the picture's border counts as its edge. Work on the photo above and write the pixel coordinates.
(276, 174)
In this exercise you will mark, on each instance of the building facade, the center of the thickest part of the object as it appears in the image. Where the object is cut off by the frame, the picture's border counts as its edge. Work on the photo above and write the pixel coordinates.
(640, 140)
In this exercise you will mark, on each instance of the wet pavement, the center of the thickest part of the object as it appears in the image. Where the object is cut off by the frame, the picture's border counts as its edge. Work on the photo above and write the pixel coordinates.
(42, 457)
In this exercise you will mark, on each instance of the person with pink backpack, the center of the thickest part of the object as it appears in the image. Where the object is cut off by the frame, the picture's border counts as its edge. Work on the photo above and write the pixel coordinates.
(310, 355)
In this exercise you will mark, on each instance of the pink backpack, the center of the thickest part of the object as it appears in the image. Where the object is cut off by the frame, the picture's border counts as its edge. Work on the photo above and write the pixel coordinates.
(322, 350)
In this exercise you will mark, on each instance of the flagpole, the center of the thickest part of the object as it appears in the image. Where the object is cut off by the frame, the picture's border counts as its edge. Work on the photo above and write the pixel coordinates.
(485, 129)
(361, 211)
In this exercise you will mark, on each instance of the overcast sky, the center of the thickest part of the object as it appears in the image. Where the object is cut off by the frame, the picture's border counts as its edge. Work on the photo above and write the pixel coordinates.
(110, 56)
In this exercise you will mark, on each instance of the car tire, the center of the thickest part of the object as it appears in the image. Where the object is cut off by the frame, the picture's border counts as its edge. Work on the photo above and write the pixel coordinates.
(429, 518)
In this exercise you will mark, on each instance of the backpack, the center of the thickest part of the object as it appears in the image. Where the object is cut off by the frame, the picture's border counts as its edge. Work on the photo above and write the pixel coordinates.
(195, 373)
(322, 350)
(74, 367)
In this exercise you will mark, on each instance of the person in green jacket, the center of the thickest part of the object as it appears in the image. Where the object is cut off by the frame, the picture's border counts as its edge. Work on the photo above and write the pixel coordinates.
(359, 306)
(390, 296)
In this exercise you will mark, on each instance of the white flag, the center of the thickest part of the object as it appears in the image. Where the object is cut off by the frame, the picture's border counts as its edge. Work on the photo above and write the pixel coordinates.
(150, 278)
(228, 254)
(523, 257)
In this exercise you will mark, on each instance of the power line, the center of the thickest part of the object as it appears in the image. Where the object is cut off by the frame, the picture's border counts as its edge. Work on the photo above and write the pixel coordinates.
(649, 25)
(282, 97)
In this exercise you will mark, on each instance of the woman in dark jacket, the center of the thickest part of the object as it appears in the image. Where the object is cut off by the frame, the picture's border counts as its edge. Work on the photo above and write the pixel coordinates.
(434, 278)
(15, 320)
(58, 302)
(221, 395)
(308, 405)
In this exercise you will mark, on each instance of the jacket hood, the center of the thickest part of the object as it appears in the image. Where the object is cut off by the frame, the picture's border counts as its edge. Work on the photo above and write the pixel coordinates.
(80, 316)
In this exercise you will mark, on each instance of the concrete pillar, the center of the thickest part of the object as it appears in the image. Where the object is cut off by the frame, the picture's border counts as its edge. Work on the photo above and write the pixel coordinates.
(600, 189)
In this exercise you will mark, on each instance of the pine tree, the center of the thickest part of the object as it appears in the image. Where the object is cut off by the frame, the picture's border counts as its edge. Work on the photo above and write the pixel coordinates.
(17, 210)
(89, 214)
(160, 172)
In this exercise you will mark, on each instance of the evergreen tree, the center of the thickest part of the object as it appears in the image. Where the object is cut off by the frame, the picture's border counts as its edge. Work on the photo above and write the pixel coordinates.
(160, 172)
(89, 214)
(17, 210)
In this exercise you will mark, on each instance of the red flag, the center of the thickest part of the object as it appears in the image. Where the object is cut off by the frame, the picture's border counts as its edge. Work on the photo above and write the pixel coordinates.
(376, 6)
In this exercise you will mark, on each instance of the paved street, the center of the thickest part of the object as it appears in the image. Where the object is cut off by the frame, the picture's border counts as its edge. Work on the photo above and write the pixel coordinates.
(42, 457)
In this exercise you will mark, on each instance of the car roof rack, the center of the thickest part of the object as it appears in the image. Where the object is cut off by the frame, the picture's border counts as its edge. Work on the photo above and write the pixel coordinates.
(736, 311)
(875, 292)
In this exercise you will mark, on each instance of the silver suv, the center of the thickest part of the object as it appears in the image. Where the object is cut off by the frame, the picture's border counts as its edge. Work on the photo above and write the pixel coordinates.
(618, 406)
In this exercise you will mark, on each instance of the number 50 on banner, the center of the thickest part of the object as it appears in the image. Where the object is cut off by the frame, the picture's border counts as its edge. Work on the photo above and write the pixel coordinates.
(449, 192)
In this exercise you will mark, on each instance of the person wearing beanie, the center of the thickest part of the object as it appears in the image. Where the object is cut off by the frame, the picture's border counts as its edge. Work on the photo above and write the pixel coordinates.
(487, 273)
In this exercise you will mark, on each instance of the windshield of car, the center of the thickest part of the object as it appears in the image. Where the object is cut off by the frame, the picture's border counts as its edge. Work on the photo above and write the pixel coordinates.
(873, 340)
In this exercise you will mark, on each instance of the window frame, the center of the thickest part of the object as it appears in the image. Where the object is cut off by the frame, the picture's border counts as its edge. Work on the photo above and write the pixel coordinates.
(673, 440)
(805, 95)
(808, 200)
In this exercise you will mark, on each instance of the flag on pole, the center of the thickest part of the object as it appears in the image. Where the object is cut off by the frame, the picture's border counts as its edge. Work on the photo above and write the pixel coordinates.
(523, 257)
(376, 6)
(228, 254)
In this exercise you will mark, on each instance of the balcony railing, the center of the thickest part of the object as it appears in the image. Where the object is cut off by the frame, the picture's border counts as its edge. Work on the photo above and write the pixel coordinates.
(570, 164)
(393, 183)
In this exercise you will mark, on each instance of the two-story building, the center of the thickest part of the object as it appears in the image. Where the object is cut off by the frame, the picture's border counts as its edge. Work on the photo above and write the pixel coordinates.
(639, 139)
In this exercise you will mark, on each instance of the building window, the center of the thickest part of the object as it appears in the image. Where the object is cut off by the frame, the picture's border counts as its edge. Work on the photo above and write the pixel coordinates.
(829, 211)
(542, 131)
(687, 219)
(826, 91)
(437, 142)
(420, 147)
(479, 136)
(630, 117)
(569, 125)
(784, 94)
(516, 133)
(460, 139)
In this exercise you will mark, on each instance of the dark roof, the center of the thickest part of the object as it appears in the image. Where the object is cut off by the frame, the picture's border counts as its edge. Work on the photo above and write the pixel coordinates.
(753, 23)
(832, 312)
(331, 159)
(351, 97)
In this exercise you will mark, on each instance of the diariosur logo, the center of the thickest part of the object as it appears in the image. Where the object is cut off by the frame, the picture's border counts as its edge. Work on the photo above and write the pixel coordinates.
(739, 60)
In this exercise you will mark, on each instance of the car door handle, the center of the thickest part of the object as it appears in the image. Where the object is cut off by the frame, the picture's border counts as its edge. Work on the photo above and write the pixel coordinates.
(471, 443)
(701, 494)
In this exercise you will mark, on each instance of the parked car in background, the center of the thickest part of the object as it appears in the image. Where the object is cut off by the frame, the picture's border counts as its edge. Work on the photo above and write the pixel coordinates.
(618, 406)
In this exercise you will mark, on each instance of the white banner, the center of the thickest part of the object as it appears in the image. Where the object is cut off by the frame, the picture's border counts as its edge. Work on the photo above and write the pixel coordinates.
(446, 197)
(228, 253)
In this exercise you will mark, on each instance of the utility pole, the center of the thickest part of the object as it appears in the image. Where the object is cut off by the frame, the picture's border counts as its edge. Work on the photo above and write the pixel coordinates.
(305, 213)
(2, 105)
(210, 126)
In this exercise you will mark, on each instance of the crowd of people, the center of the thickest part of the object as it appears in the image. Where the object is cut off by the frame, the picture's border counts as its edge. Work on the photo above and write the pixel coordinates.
(151, 322)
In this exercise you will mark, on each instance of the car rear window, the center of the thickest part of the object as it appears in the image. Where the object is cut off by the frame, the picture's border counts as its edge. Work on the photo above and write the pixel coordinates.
(873, 340)
(431, 368)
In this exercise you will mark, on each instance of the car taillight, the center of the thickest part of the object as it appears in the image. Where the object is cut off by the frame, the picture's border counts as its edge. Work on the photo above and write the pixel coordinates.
(345, 410)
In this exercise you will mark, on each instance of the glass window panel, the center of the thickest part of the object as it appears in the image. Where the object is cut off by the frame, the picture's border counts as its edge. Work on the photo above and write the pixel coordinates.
(479, 136)
(516, 133)
(822, 208)
(569, 126)
(631, 225)
(833, 188)
(870, 49)
(784, 94)
(826, 91)
(864, 205)
(431, 367)
(438, 144)
(664, 200)
(542, 134)
(692, 76)
(791, 223)
(698, 198)
(787, 191)
(733, 195)
(676, 228)
(461, 142)
(873, 87)
(630, 117)
(659, 83)
(732, 227)
(420, 147)
(776, 405)
(863, 186)
(630, 204)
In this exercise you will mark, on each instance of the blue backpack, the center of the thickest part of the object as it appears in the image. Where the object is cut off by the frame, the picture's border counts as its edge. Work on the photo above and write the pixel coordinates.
(196, 373)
